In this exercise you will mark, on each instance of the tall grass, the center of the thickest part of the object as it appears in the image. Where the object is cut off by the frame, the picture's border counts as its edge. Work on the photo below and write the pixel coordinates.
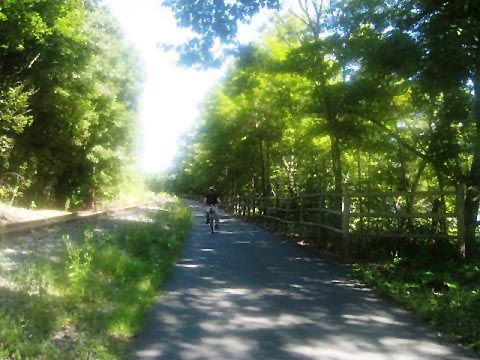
(91, 302)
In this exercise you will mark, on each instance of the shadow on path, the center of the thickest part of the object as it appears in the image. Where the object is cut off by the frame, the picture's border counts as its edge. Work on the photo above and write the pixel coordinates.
(243, 293)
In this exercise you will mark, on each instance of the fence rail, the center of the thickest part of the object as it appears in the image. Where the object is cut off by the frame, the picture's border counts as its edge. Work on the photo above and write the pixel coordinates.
(392, 214)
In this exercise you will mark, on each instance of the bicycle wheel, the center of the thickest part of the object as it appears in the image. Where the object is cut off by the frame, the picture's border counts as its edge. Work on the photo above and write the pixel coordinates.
(211, 224)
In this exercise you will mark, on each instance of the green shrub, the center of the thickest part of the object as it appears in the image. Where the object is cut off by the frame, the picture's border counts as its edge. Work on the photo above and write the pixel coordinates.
(445, 293)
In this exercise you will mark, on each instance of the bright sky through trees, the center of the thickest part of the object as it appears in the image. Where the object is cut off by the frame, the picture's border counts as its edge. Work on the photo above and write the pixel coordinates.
(171, 95)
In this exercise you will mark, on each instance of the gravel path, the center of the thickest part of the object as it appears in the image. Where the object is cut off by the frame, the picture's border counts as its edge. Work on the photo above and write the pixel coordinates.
(19, 252)
(243, 293)
(11, 214)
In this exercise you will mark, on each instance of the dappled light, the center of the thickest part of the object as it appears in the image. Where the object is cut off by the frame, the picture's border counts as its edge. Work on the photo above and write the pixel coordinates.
(341, 143)
(247, 294)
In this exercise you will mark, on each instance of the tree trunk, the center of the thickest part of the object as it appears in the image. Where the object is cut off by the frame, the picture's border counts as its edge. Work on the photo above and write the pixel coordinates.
(403, 185)
(336, 163)
(330, 112)
(267, 170)
(472, 197)
(471, 211)
(262, 170)
(410, 201)
(440, 202)
(338, 178)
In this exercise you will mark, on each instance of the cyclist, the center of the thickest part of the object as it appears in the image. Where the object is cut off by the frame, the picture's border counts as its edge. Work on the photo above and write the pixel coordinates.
(212, 199)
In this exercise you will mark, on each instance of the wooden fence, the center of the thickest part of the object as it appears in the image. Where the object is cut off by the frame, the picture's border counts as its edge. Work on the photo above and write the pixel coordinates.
(393, 214)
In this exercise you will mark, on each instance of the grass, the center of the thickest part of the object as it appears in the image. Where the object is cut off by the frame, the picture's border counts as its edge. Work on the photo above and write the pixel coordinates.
(442, 290)
(91, 302)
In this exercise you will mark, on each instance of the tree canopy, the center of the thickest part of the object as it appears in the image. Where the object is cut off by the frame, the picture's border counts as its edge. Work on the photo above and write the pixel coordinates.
(213, 22)
(68, 94)
(354, 95)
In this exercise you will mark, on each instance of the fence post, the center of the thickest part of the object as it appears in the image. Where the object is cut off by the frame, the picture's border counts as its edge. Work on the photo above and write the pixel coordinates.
(276, 223)
(301, 215)
(285, 216)
(250, 209)
(321, 214)
(264, 211)
(460, 200)
(345, 221)
(267, 209)
(241, 201)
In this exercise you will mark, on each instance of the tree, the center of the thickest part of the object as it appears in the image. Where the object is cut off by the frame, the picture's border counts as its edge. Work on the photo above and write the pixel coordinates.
(443, 37)
(68, 96)
(369, 84)
(214, 22)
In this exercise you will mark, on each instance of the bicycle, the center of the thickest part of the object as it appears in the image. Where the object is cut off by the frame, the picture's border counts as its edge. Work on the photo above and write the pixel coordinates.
(211, 217)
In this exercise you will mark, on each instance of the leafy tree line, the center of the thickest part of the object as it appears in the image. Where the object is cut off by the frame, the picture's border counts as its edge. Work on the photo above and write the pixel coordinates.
(68, 88)
(359, 94)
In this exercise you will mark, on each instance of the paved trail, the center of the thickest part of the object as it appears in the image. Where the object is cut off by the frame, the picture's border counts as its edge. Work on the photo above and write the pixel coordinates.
(243, 293)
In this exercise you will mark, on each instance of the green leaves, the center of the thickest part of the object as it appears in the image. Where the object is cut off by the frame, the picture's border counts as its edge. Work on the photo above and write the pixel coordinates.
(70, 86)
(441, 292)
(213, 21)
(14, 118)
(365, 94)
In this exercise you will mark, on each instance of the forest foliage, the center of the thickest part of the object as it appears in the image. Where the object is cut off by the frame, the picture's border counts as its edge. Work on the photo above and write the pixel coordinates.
(358, 95)
(68, 96)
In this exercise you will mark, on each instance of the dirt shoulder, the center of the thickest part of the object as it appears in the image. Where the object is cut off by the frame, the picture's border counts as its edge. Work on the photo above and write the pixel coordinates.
(11, 214)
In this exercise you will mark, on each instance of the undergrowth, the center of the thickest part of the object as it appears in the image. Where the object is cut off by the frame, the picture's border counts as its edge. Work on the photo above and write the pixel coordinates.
(442, 289)
(92, 301)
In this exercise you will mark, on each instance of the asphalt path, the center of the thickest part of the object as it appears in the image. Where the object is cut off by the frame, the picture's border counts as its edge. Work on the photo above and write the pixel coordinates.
(243, 293)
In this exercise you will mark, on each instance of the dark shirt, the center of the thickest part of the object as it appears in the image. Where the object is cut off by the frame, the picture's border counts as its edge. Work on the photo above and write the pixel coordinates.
(212, 198)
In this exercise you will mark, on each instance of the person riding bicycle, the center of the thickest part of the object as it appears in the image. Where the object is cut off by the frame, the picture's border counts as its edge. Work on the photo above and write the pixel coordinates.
(212, 199)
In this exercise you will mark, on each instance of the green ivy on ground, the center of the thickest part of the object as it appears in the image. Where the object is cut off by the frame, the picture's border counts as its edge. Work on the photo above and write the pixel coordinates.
(445, 293)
